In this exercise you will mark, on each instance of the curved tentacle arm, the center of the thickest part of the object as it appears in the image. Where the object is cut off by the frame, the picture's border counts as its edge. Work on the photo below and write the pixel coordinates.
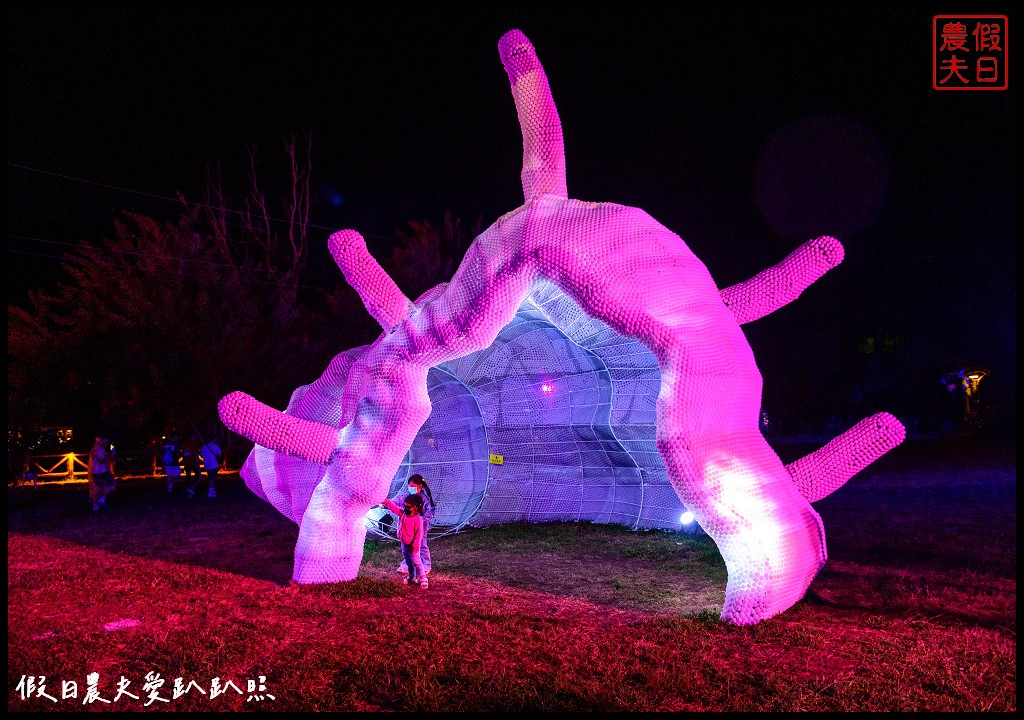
(543, 145)
(827, 469)
(277, 431)
(382, 297)
(781, 284)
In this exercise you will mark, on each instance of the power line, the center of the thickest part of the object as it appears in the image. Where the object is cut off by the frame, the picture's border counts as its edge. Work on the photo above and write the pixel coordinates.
(88, 248)
(181, 271)
(178, 200)
(129, 252)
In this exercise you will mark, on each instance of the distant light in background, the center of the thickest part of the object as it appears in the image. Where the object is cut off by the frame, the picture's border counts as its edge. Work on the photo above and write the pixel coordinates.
(335, 198)
(547, 388)
(976, 411)
(686, 518)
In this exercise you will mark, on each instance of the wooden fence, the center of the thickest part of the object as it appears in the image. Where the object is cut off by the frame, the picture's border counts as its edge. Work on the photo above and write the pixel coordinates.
(74, 467)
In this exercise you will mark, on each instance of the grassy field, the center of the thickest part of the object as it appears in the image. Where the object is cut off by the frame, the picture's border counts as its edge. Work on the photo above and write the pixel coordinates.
(914, 611)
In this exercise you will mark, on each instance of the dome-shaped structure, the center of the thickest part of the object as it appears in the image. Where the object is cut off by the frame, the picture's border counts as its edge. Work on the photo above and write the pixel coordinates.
(567, 404)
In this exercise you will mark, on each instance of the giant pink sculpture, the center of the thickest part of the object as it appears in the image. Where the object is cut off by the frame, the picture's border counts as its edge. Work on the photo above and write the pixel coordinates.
(335, 451)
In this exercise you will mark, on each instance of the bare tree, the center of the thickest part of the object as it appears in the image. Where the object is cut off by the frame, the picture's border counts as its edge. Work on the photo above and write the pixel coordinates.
(137, 337)
(426, 255)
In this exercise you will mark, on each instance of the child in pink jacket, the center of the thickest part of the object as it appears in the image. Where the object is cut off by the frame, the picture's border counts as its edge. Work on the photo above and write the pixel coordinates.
(410, 534)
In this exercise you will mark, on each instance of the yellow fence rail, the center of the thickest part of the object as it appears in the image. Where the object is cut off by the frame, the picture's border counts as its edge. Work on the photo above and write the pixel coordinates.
(74, 467)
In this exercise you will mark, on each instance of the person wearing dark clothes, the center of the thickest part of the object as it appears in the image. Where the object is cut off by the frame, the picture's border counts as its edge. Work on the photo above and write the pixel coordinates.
(211, 455)
(101, 471)
(171, 460)
(190, 463)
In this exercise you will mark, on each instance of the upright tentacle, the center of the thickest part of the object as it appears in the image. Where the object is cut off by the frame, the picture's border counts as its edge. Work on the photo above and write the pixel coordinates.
(543, 146)
(382, 297)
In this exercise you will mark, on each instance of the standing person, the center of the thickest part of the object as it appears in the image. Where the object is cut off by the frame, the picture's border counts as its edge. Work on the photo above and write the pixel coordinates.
(211, 454)
(101, 471)
(171, 460)
(418, 487)
(190, 463)
(411, 534)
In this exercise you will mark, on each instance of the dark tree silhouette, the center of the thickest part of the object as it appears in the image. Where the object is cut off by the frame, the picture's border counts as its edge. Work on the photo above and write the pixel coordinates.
(151, 329)
(426, 255)
(153, 325)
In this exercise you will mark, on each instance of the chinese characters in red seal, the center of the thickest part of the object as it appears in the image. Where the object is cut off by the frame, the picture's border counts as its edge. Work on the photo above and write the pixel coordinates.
(969, 52)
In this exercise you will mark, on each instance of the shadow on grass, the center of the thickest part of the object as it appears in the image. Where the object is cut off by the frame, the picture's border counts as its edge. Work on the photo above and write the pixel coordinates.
(914, 610)
(235, 532)
(929, 518)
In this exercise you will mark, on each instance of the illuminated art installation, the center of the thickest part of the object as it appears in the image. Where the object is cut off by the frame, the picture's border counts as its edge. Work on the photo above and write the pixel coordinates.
(586, 344)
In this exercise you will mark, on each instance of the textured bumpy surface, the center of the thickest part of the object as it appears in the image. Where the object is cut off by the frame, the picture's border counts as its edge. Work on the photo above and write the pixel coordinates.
(618, 308)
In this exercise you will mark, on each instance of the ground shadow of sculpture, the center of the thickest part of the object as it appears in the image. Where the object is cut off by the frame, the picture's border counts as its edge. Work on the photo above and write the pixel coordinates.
(334, 452)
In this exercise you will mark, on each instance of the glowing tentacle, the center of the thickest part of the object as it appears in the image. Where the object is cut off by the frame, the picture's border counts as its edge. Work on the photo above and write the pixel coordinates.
(827, 469)
(382, 297)
(543, 145)
(781, 284)
(273, 429)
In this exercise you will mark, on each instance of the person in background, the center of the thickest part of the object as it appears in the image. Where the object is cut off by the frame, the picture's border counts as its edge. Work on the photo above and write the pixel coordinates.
(211, 454)
(171, 460)
(190, 463)
(410, 534)
(101, 471)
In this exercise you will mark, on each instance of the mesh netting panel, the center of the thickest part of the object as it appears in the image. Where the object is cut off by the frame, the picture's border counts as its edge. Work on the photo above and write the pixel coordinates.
(450, 452)
(547, 403)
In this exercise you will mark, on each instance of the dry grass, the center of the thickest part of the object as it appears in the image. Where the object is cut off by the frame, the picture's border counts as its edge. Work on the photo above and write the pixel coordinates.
(915, 610)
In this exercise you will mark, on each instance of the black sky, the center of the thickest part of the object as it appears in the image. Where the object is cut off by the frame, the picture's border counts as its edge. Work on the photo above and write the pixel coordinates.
(744, 132)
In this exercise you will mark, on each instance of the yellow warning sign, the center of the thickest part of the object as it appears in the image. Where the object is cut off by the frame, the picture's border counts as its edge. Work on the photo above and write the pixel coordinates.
(497, 459)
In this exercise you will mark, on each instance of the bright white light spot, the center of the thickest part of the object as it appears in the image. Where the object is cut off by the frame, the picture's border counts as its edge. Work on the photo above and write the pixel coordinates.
(547, 388)
(376, 513)
(686, 518)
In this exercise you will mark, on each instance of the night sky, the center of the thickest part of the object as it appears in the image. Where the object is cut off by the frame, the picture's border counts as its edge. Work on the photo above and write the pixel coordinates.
(745, 132)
